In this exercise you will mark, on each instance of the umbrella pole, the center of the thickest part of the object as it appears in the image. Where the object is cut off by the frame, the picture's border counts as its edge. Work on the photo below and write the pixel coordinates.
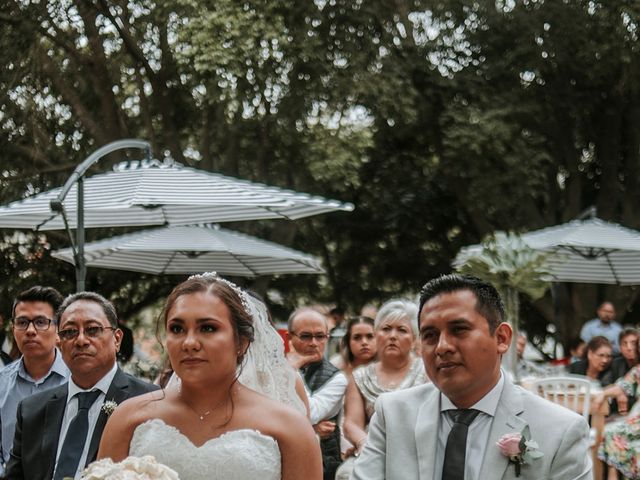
(81, 267)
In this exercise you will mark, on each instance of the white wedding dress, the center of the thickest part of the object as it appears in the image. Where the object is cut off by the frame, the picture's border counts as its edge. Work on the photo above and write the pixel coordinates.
(235, 455)
(239, 454)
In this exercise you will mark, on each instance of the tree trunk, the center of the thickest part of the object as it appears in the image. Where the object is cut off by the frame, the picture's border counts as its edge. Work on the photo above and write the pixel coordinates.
(608, 157)
(631, 149)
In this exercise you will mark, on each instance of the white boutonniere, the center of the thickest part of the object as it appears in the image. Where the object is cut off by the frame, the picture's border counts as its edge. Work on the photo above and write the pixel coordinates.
(519, 450)
(108, 407)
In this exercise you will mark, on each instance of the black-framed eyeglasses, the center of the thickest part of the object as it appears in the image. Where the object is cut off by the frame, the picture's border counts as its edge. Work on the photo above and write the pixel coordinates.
(93, 331)
(40, 323)
(307, 337)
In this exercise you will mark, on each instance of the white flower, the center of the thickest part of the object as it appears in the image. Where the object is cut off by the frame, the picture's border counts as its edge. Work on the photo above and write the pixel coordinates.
(108, 407)
(131, 468)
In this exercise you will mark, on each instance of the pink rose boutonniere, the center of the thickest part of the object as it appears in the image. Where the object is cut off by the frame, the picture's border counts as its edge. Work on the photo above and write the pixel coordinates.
(519, 450)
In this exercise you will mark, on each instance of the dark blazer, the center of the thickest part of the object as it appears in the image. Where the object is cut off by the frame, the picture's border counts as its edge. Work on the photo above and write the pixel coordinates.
(619, 367)
(39, 418)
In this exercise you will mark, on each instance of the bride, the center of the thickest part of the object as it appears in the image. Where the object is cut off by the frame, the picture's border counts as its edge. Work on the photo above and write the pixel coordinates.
(208, 425)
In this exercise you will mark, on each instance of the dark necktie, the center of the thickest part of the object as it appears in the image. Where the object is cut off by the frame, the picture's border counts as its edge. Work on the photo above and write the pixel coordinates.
(76, 437)
(456, 450)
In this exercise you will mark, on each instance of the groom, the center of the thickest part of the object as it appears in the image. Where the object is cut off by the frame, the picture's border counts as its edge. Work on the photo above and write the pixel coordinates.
(58, 430)
(449, 430)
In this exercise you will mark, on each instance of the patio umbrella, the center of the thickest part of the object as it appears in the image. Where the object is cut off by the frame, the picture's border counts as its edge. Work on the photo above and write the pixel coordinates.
(583, 251)
(155, 193)
(194, 249)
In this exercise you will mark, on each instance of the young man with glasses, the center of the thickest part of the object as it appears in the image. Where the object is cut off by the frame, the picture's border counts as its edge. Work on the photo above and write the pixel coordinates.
(40, 367)
(58, 431)
(324, 383)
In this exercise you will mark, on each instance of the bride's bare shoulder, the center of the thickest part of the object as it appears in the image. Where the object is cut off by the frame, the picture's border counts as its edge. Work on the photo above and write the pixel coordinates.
(273, 414)
(135, 410)
(126, 417)
(140, 404)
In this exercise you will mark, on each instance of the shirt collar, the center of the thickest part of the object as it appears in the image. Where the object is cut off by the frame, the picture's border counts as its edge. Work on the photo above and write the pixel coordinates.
(487, 404)
(605, 324)
(103, 384)
(58, 366)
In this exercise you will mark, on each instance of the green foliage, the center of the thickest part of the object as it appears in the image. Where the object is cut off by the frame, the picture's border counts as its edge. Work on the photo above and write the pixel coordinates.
(513, 268)
(509, 264)
(442, 122)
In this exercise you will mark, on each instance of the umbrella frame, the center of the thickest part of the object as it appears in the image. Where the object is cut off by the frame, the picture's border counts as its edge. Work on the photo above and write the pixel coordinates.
(77, 177)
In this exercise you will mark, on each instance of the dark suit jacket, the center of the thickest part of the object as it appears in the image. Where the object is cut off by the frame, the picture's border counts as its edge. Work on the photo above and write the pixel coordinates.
(39, 418)
(619, 367)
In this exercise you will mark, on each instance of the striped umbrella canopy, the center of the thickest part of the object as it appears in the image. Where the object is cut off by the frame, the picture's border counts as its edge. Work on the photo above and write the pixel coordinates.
(155, 193)
(194, 249)
(583, 251)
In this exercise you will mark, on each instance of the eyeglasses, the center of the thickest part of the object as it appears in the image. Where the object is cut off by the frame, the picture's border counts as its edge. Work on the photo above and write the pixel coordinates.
(94, 331)
(39, 323)
(307, 337)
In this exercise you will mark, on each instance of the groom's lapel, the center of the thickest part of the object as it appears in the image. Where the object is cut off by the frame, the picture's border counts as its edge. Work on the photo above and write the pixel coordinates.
(506, 420)
(427, 433)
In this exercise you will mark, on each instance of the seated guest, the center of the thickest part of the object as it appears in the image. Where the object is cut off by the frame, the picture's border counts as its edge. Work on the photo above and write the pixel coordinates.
(604, 325)
(628, 357)
(358, 345)
(40, 367)
(324, 383)
(458, 426)
(58, 431)
(358, 348)
(596, 365)
(396, 369)
(620, 448)
(577, 349)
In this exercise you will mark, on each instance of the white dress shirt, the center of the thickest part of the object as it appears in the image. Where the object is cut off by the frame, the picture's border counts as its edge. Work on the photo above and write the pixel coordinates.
(326, 402)
(478, 433)
(72, 409)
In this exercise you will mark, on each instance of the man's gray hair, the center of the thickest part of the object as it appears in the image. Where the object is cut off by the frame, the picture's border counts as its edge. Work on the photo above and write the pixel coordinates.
(107, 307)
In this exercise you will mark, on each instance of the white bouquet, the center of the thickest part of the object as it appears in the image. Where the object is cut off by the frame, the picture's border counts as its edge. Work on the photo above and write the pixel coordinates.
(131, 468)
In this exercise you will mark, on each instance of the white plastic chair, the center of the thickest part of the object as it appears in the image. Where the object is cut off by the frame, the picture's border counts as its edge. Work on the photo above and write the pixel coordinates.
(573, 393)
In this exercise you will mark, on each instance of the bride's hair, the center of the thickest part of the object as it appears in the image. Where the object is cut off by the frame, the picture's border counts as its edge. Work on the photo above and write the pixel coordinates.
(241, 320)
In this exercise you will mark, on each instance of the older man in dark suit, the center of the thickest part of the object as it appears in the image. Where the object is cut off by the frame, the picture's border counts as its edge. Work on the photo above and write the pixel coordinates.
(58, 431)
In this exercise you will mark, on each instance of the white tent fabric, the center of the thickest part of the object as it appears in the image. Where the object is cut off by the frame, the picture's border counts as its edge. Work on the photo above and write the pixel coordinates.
(153, 193)
(584, 251)
(194, 249)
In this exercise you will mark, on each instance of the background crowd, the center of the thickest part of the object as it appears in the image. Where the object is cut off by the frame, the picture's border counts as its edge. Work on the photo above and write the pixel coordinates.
(344, 362)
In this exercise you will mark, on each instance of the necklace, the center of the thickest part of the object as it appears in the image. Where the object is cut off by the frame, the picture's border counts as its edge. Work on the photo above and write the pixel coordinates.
(204, 415)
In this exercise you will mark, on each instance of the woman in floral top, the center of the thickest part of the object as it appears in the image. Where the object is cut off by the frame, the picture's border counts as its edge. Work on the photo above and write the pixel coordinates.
(620, 447)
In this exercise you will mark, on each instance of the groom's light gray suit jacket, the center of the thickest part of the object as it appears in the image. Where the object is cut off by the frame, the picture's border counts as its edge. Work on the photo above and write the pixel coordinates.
(403, 436)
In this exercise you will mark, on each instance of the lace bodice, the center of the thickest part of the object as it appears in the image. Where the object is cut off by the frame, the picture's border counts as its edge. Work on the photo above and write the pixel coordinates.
(236, 455)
